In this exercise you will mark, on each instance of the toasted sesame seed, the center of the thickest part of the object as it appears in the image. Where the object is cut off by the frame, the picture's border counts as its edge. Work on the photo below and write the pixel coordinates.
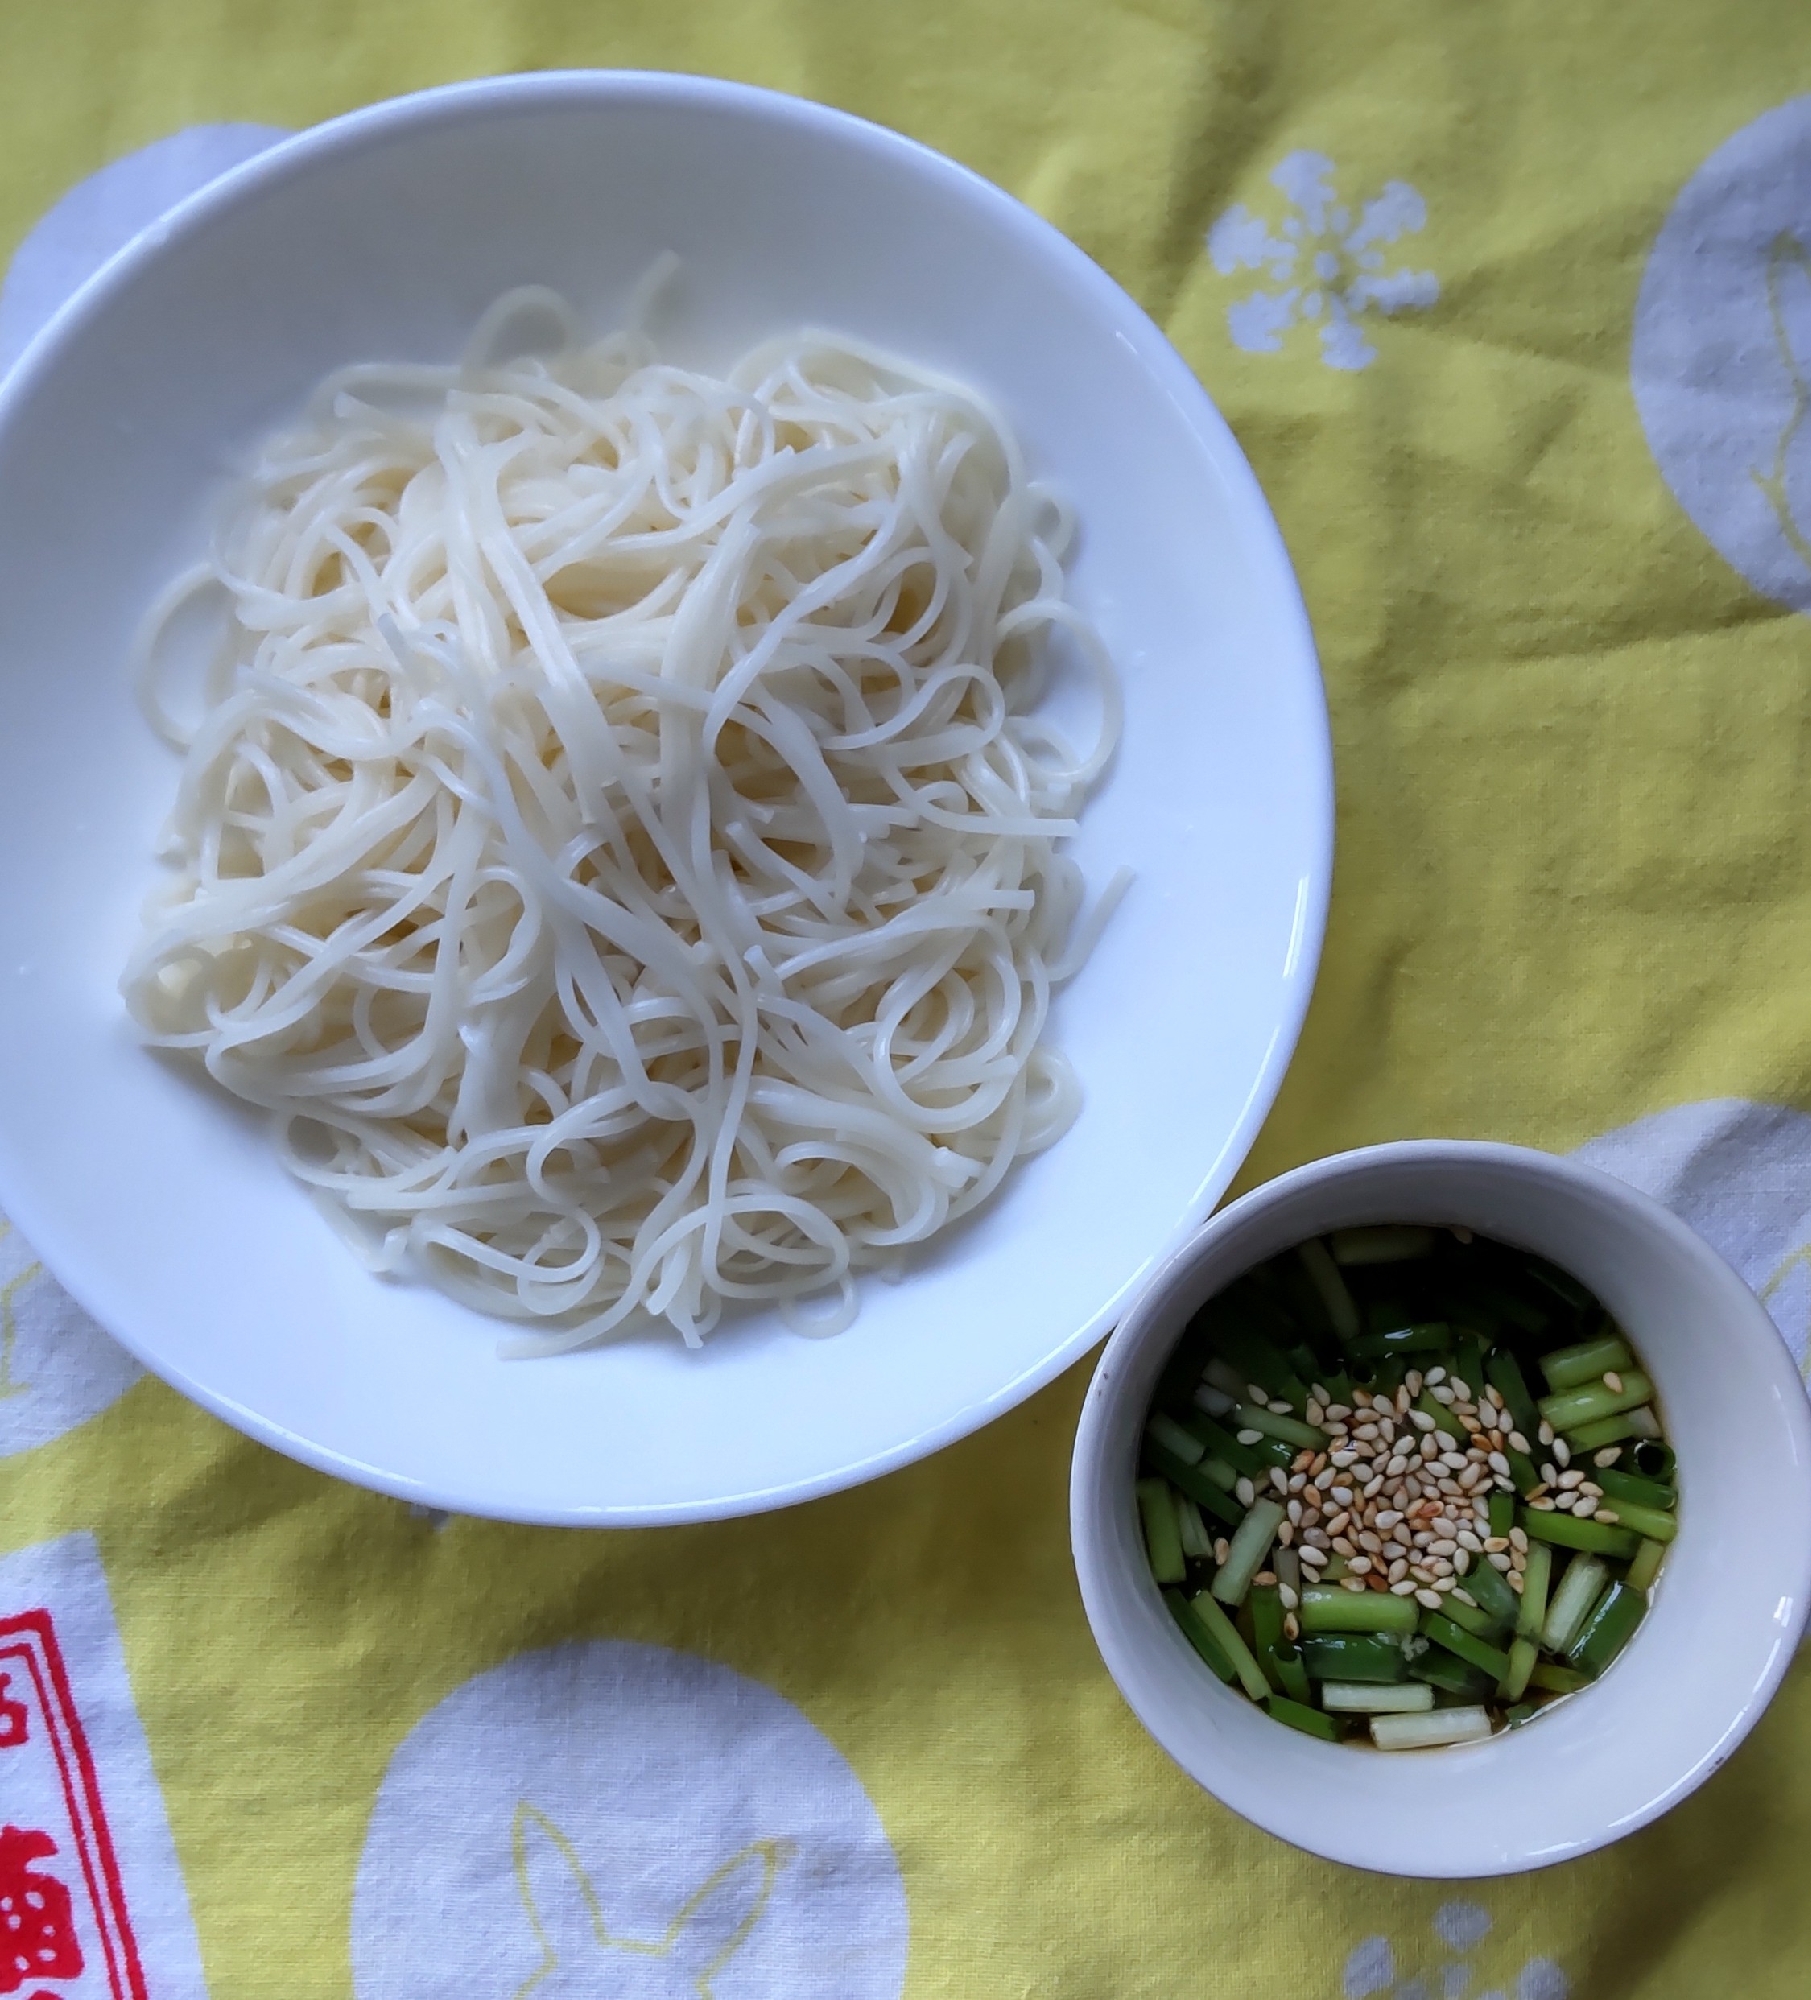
(1496, 1545)
(1608, 1456)
(1302, 1461)
(1516, 1581)
(1352, 1583)
(1342, 1547)
(1222, 1549)
(1608, 1517)
(1518, 1539)
(1612, 1381)
(1264, 1578)
(1285, 1532)
(1338, 1522)
(1292, 1627)
(1428, 1599)
(1540, 1503)
(1562, 1451)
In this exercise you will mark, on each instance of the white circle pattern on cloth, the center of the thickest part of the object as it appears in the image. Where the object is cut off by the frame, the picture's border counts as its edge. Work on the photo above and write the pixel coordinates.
(606, 1818)
(1721, 363)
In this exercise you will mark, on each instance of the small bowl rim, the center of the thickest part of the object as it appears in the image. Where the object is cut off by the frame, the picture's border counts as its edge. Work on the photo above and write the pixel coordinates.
(1154, 1317)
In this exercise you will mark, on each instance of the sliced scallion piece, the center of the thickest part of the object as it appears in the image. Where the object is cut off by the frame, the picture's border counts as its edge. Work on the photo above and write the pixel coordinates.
(1607, 1630)
(1225, 1635)
(1250, 1545)
(1289, 1430)
(1645, 1565)
(1163, 1545)
(1653, 1524)
(1335, 1296)
(1425, 1732)
(1198, 1636)
(1173, 1438)
(1574, 1408)
(1336, 1609)
(1355, 1656)
(1589, 1361)
(1382, 1243)
(1572, 1600)
(1567, 1533)
(1373, 1698)
(1310, 1721)
(1467, 1646)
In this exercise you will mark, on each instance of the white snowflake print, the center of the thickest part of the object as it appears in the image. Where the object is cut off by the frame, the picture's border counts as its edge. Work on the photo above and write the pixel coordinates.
(1331, 270)
(1371, 1967)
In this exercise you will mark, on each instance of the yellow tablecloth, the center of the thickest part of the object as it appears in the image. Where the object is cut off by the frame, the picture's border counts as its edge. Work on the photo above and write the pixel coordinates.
(1511, 307)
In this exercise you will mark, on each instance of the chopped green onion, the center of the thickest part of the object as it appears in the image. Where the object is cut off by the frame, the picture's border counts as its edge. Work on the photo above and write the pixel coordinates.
(1572, 1600)
(1222, 1375)
(1193, 1481)
(1354, 1657)
(1612, 1430)
(1162, 1543)
(1173, 1438)
(1258, 1360)
(1191, 1530)
(1225, 1635)
(1368, 1698)
(1646, 1565)
(1537, 1577)
(1522, 1474)
(1337, 1609)
(1654, 1458)
(1589, 1361)
(1290, 1430)
(1522, 1657)
(1502, 1512)
(1607, 1630)
(1621, 1486)
(1197, 1634)
(1464, 1645)
(1423, 1337)
(1575, 1407)
(1505, 1376)
(1250, 1545)
(1494, 1596)
(1310, 1721)
(1281, 1663)
(1562, 1284)
(1557, 1679)
(1382, 1243)
(1473, 1617)
(1644, 1424)
(1427, 1732)
(1567, 1533)
(1430, 1405)
(1335, 1296)
(1653, 1524)
(1451, 1675)
(1523, 1711)
(1217, 1439)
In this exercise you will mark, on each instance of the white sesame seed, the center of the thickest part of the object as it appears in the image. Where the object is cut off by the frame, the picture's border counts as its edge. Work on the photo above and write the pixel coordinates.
(1421, 1420)
(1370, 1543)
(1518, 1561)
(1518, 1539)
(1257, 1395)
(1467, 1540)
(1443, 1546)
(1388, 1518)
(1465, 1597)
(1612, 1381)
(1325, 1478)
(1279, 1408)
(1586, 1507)
(1608, 1456)
(1265, 1578)
(1518, 1443)
(1285, 1532)
(1461, 1389)
(1440, 1565)
(1429, 1599)
(1562, 1451)
(1373, 1487)
(1498, 1464)
(1443, 1392)
(1412, 1381)
(1545, 1433)
(1310, 1513)
(1404, 1587)
(1245, 1491)
(1517, 1581)
(1549, 1475)
(1540, 1503)
(1565, 1502)
(1248, 1437)
(1351, 1583)
(1608, 1517)
(1342, 1547)
(1596, 1492)
(1499, 1562)
(1294, 1511)
(1318, 1392)
(1222, 1549)
(1315, 1412)
(1312, 1556)
(1337, 1412)
(1298, 1482)
(1279, 1479)
(1287, 1596)
(1398, 1570)
(1461, 1561)
(1360, 1565)
(1343, 1494)
(1316, 1538)
(1368, 1432)
(1572, 1478)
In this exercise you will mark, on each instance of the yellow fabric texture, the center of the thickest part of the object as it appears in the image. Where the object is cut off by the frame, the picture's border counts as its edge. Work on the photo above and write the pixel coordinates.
(1573, 887)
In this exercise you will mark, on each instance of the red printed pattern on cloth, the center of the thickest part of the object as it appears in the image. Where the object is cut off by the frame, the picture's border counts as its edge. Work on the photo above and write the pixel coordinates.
(62, 1907)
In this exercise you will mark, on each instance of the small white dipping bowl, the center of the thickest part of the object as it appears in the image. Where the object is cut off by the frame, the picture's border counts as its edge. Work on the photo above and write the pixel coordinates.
(1727, 1611)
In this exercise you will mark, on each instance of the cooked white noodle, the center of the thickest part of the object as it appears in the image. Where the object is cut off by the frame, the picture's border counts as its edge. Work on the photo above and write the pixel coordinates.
(618, 844)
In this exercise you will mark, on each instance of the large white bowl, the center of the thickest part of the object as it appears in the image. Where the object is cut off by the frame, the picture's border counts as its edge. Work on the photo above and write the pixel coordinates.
(384, 235)
(1728, 1610)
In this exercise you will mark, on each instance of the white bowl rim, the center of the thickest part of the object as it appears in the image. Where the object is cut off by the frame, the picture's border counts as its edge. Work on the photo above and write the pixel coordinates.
(600, 88)
(1330, 1836)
